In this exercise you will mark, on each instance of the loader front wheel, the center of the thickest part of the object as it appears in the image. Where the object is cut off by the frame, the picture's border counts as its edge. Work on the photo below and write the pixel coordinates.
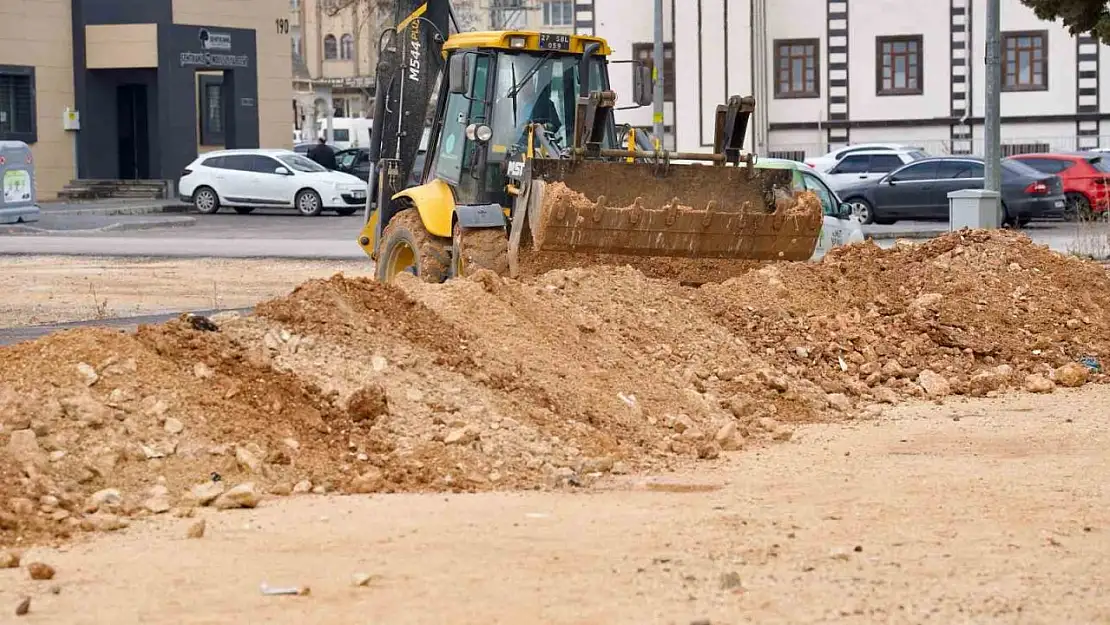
(479, 248)
(408, 248)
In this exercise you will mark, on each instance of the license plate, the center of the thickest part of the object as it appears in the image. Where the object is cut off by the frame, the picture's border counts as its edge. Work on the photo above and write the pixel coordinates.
(1059, 203)
(554, 42)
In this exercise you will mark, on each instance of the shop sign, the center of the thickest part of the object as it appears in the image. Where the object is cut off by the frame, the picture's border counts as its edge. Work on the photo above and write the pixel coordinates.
(209, 59)
(211, 40)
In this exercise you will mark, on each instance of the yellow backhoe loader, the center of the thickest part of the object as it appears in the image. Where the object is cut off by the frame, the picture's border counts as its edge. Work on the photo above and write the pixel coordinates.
(522, 157)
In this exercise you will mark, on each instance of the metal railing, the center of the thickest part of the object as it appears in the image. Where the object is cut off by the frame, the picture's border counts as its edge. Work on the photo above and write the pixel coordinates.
(1010, 146)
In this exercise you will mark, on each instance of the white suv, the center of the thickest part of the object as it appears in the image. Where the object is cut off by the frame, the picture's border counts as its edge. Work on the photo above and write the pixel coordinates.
(247, 179)
(868, 165)
(826, 162)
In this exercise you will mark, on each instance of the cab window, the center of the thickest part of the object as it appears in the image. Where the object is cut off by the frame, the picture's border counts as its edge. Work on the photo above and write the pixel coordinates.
(829, 204)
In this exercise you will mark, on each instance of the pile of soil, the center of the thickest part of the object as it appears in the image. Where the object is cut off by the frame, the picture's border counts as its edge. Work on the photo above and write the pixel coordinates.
(488, 383)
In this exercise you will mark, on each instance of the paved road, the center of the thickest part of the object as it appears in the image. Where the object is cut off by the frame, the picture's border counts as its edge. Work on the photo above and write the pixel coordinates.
(280, 234)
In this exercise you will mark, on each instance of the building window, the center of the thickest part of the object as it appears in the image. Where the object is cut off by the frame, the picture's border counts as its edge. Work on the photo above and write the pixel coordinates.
(347, 47)
(645, 53)
(297, 53)
(796, 67)
(17, 104)
(558, 13)
(211, 107)
(1025, 55)
(331, 48)
(898, 65)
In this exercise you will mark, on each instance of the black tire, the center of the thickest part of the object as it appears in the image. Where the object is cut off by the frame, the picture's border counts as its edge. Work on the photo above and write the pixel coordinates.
(407, 247)
(1078, 208)
(862, 209)
(473, 249)
(244, 210)
(1008, 220)
(308, 203)
(206, 201)
(346, 212)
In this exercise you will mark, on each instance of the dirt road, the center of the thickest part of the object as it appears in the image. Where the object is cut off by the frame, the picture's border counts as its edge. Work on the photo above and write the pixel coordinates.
(49, 289)
(987, 511)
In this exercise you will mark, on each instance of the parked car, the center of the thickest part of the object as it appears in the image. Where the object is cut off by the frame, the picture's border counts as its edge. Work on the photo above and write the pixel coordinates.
(1086, 178)
(869, 165)
(840, 226)
(828, 161)
(355, 161)
(303, 148)
(247, 179)
(920, 190)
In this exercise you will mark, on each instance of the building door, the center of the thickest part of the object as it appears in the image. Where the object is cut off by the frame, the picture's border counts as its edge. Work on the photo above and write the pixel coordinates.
(134, 132)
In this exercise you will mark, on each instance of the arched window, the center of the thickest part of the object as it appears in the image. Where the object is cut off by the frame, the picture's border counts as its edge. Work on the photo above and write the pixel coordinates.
(331, 49)
(347, 47)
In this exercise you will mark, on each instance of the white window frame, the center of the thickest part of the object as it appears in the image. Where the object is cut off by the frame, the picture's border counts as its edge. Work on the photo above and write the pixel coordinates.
(558, 13)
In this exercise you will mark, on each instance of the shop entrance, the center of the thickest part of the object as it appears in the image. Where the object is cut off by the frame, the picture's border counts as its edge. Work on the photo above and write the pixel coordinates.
(133, 118)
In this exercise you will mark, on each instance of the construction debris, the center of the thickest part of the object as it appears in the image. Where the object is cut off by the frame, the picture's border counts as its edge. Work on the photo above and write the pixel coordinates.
(485, 383)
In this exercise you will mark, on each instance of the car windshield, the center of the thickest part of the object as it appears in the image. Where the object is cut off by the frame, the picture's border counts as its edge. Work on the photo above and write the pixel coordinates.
(1100, 164)
(1012, 169)
(296, 162)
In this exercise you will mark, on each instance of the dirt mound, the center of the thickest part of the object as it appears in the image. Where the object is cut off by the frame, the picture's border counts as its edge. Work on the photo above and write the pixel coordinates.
(485, 383)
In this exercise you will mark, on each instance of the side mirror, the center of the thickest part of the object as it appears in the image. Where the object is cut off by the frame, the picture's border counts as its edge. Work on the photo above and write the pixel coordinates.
(889, 180)
(643, 87)
(457, 74)
(281, 171)
(844, 211)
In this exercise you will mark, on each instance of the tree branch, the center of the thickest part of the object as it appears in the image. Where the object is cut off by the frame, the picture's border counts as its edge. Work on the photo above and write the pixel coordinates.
(1090, 17)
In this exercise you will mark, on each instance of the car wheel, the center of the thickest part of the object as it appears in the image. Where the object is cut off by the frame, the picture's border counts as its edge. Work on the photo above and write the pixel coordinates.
(244, 210)
(308, 203)
(1078, 207)
(862, 209)
(346, 212)
(408, 248)
(205, 200)
(1008, 220)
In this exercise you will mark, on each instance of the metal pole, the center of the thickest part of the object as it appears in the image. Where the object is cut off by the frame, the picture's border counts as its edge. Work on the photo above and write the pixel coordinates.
(658, 59)
(992, 135)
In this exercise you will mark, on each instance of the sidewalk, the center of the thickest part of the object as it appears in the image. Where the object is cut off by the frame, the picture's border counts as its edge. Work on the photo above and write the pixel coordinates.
(113, 207)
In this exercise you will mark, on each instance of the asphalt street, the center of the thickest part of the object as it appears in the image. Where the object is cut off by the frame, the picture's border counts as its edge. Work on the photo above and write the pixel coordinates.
(282, 234)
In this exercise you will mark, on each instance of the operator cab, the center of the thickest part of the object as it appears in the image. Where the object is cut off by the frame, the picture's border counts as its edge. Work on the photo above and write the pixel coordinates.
(490, 94)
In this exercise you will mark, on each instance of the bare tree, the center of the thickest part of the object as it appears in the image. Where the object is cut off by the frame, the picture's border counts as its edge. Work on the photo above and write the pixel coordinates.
(381, 12)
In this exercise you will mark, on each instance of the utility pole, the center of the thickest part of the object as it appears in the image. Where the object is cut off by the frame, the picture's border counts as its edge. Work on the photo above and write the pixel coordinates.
(992, 135)
(658, 59)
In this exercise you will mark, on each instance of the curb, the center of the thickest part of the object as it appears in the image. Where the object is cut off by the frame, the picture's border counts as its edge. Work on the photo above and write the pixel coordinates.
(137, 209)
(892, 235)
(150, 224)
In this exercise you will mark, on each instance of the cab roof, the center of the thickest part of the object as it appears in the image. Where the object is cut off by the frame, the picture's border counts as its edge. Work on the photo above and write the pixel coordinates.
(500, 39)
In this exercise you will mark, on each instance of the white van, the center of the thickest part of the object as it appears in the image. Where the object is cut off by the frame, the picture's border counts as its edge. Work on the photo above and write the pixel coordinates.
(348, 132)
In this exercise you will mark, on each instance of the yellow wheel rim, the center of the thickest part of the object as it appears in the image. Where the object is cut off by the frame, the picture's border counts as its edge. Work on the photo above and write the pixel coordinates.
(401, 258)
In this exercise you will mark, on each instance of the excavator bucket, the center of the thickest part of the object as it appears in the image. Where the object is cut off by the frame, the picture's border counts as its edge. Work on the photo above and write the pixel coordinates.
(688, 211)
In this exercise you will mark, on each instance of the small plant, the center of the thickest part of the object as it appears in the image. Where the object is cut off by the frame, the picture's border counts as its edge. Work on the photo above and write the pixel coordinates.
(1091, 237)
(215, 296)
(100, 307)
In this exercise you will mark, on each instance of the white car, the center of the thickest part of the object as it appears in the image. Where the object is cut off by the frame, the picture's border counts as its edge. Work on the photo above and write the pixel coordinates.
(824, 163)
(867, 165)
(248, 179)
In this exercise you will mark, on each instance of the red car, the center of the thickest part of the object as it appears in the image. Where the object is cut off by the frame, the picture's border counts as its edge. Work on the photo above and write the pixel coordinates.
(1086, 178)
